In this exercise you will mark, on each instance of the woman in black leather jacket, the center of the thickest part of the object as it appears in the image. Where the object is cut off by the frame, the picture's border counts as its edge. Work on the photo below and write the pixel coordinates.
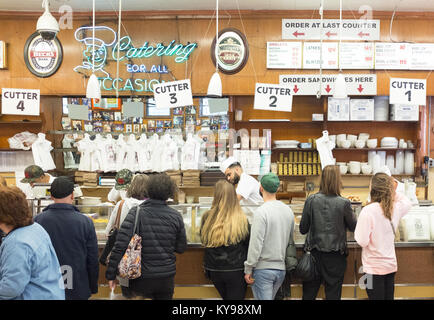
(225, 234)
(326, 217)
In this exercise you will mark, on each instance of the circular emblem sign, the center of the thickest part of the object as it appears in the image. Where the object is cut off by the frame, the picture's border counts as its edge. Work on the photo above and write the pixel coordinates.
(42, 57)
(232, 51)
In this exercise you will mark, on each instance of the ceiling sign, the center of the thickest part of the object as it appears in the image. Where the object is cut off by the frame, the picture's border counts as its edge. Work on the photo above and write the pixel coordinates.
(310, 29)
(356, 55)
(311, 55)
(284, 55)
(392, 55)
(21, 101)
(272, 97)
(173, 94)
(308, 84)
(407, 91)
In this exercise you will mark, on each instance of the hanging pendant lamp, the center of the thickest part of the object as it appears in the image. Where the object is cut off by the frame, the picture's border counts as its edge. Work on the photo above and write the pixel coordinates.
(215, 84)
(93, 90)
(340, 91)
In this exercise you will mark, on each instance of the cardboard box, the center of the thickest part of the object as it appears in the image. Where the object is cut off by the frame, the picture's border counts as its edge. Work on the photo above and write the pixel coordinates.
(362, 110)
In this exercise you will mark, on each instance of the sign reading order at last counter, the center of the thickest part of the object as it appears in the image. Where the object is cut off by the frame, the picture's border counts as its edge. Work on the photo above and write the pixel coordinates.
(407, 91)
(273, 97)
(173, 94)
(21, 101)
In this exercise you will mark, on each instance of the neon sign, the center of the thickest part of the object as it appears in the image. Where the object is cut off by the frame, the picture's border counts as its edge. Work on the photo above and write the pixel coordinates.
(106, 38)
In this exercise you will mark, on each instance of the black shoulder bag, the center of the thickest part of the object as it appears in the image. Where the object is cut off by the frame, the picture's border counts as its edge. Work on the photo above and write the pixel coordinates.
(306, 269)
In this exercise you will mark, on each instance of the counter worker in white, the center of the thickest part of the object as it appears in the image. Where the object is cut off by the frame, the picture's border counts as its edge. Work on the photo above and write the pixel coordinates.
(119, 191)
(247, 186)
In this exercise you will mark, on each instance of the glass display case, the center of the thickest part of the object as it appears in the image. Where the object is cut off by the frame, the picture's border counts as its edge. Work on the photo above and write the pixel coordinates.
(192, 215)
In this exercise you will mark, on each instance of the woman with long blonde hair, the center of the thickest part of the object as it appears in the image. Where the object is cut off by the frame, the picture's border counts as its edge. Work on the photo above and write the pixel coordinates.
(375, 233)
(224, 233)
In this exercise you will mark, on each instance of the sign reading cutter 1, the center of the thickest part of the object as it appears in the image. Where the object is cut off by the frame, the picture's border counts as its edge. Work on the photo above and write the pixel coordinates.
(273, 97)
(408, 91)
(173, 94)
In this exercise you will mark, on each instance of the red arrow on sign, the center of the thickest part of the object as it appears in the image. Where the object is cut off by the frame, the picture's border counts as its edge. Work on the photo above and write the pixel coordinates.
(328, 34)
(296, 89)
(360, 88)
(361, 34)
(328, 88)
(296, 34)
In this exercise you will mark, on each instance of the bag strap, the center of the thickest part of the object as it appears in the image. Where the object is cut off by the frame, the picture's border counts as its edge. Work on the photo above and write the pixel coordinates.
(393, 228)
(118, 216)
(136, 219)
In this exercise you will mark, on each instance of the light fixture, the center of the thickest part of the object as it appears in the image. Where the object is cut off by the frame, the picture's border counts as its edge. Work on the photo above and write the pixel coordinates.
(340, 91)
(93, 90)
(215, 84)
(47, 25)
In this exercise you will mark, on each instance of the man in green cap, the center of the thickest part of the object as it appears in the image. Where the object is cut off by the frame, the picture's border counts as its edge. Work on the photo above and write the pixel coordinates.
(119, 191)
(34, 174)
(270, 235)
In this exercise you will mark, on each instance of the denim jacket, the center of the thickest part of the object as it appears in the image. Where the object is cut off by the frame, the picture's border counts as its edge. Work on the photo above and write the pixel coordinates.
(29, 269)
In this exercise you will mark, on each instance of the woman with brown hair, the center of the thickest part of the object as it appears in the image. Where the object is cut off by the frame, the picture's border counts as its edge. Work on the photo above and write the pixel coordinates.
(375, 233)
(225, 234)
(326, 218)
(28, 263)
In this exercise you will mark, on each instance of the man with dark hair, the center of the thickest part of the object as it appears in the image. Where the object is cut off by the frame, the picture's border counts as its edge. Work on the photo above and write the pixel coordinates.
(247, 186)
(74, 240)
(163, 234)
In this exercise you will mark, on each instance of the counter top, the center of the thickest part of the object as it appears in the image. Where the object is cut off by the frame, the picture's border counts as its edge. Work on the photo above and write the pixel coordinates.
(351, 244)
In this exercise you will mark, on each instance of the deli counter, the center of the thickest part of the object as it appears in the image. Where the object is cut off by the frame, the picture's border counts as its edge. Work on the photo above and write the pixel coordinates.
(414, 250)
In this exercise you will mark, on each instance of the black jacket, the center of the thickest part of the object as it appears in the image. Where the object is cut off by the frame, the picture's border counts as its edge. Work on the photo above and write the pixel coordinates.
(74, 239)
(163, 233)
(327, 218)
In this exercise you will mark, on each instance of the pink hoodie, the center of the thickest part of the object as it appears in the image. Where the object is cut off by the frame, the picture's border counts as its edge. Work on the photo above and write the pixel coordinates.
(374, 234)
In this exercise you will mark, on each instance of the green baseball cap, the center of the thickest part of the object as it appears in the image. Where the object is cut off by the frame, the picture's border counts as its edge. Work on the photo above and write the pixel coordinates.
(32, 173)
(123, 179)
(270, 182)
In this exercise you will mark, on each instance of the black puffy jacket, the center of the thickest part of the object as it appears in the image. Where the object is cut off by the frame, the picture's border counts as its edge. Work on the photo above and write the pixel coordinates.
(327, 218)
(163, 233)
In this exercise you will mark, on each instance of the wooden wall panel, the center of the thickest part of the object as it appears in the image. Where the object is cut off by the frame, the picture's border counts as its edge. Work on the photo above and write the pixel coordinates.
(259, 28)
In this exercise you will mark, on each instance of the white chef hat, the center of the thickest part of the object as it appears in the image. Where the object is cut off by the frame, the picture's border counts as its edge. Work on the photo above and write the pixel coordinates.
(227, 163)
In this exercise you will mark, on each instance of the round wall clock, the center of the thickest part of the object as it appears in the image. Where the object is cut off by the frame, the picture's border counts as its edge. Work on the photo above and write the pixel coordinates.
(42, 57)
(233, 51)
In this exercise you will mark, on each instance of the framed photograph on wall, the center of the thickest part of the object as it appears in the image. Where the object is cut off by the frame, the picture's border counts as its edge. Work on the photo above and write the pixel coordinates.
(153, 111)
(3, 58)
(107, 104)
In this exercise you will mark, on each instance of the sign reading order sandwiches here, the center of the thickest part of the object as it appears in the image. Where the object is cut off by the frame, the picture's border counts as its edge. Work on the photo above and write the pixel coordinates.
(21, 101)
(408, 91)
(173, 94)
(273, 97)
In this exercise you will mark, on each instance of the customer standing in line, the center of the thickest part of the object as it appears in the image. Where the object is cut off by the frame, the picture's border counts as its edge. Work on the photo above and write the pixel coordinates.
(224, 232)
(326, 217)
(375, 233)
(163, 234)
(136, 194)
(272, 231)
(74, 239)
(29, 269)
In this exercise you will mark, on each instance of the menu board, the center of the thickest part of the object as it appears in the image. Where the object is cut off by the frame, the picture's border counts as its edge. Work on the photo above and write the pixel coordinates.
(422, 56)
(392, 55)
(356, 55)
(311, 55)
(284, 55)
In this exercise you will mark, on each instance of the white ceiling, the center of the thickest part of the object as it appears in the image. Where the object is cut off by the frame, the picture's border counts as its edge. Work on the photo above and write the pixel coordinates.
(150, 5)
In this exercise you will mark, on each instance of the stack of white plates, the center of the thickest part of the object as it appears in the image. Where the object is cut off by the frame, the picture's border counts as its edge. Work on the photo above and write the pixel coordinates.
(389, 142)
(286, 143)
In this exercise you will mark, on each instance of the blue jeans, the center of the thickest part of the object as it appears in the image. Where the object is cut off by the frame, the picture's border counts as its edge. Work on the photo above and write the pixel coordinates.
(267, 282)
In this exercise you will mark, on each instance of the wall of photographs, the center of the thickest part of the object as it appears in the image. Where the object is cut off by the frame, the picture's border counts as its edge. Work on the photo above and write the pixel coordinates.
(107, 117)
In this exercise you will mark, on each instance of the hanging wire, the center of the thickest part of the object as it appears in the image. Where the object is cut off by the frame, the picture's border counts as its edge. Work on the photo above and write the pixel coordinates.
(119, 40)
